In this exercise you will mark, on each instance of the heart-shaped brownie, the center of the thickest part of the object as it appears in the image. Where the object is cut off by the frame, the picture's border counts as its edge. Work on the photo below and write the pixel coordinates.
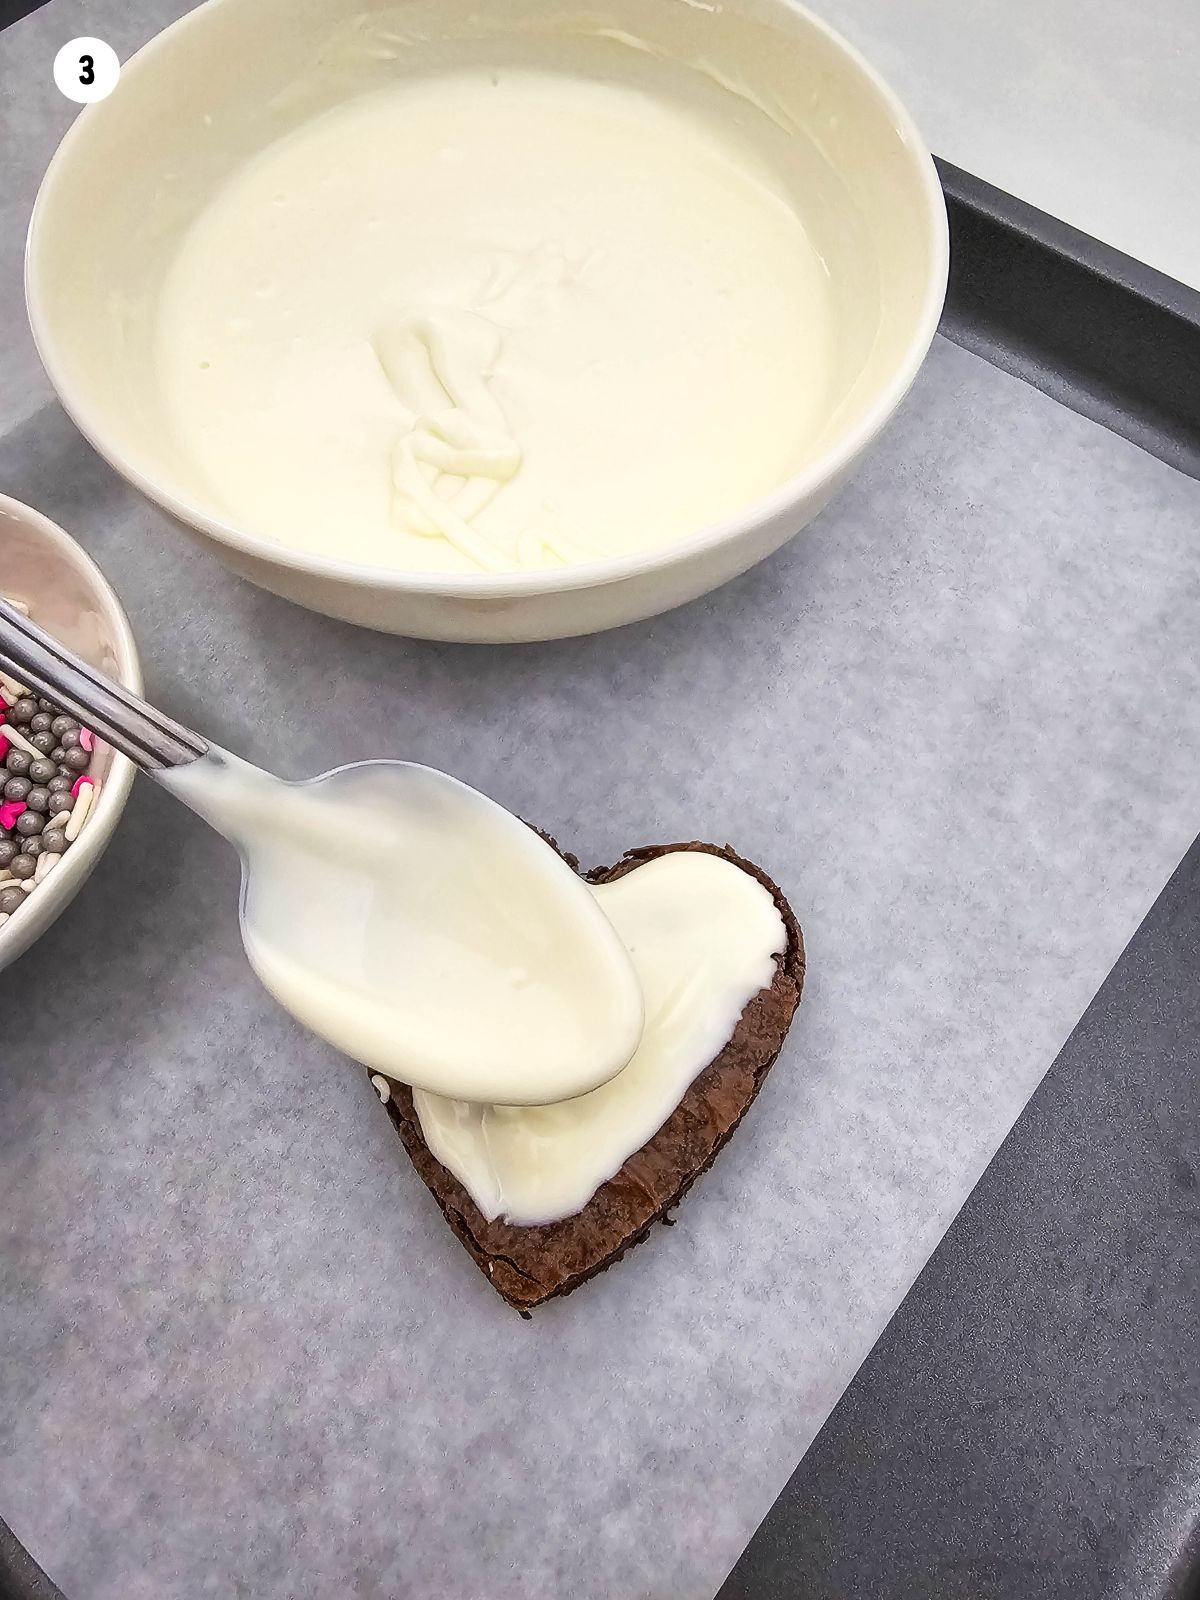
(529, 1264)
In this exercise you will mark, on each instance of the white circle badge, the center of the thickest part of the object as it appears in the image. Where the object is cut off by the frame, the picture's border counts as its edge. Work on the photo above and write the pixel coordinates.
(86, 70)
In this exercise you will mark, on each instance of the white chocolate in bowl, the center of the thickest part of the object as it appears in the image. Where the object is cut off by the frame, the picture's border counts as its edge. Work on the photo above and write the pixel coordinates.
(422, 929)
(490, 320)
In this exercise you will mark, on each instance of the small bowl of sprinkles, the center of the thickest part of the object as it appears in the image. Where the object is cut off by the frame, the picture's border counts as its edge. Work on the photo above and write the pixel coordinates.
(62, 790)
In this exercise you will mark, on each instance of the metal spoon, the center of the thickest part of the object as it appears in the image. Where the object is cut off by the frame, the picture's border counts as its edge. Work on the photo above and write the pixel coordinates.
(451, 948)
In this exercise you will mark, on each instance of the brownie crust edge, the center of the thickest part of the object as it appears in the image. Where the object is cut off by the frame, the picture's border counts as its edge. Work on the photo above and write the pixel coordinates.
(528, 1265)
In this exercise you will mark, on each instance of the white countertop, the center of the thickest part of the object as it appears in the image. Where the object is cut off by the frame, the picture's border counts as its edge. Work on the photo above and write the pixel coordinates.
(1086, 108)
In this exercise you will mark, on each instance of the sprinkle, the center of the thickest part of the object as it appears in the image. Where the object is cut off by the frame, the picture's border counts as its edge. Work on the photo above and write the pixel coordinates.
(79, 783)
(10, 811)
(27, 886)
(59, 819)
(17, 605)
(382, 1088)
(5, 875)
(21, 742)
(79, 813)
(5, 747)
(17, 691)
(87, 740)
(47, 862)
(4, 916)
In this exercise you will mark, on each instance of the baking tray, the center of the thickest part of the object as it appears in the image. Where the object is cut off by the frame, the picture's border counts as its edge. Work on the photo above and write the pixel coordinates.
(1029, 1423)
(969, 432)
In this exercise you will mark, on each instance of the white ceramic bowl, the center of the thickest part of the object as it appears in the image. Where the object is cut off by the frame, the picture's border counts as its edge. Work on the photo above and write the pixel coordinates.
(67, 593)
(234, 75)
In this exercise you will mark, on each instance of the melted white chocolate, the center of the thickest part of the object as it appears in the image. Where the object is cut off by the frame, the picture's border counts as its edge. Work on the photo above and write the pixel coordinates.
(422, 929)
(484, 321)
(703, 936)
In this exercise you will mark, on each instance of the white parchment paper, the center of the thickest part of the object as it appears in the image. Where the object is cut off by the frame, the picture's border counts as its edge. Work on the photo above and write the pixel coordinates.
(959, 721)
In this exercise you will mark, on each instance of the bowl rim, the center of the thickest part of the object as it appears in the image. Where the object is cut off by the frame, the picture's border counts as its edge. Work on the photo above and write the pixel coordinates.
(822, 470)
(73, 870)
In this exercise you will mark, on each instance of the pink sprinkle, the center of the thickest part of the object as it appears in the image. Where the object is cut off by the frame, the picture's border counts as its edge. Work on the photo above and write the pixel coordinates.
(79, 783)
(10, 811)
(87, 740)
(5, 747)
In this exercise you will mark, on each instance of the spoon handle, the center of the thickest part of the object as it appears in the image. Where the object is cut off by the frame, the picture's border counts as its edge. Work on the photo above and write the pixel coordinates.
(151, 740)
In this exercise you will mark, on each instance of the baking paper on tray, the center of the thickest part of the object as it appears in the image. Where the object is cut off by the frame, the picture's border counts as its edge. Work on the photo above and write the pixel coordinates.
(958, 720)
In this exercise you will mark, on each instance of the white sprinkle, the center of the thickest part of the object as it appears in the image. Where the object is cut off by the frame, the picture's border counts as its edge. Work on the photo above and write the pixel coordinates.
(4, 916)
(79, 812)
(21, 742)
(59, 819)
(5, 874)
(382, 1088)
(47, 862)
(27, 885)
(17, 690)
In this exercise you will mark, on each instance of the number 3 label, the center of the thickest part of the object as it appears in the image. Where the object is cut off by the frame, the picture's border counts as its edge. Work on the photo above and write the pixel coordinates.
(86, 70)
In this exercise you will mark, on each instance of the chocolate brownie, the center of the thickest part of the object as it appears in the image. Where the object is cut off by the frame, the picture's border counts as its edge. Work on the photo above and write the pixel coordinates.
(529, 1265)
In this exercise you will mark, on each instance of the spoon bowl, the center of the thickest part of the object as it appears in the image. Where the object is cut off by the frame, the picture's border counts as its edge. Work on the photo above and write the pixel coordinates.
(423, 929)
(402, 916)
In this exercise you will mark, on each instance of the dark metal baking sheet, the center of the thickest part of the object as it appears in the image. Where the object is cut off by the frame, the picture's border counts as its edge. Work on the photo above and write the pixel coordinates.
(1029, 1424)
(1107, 336)
(1028, 1427)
